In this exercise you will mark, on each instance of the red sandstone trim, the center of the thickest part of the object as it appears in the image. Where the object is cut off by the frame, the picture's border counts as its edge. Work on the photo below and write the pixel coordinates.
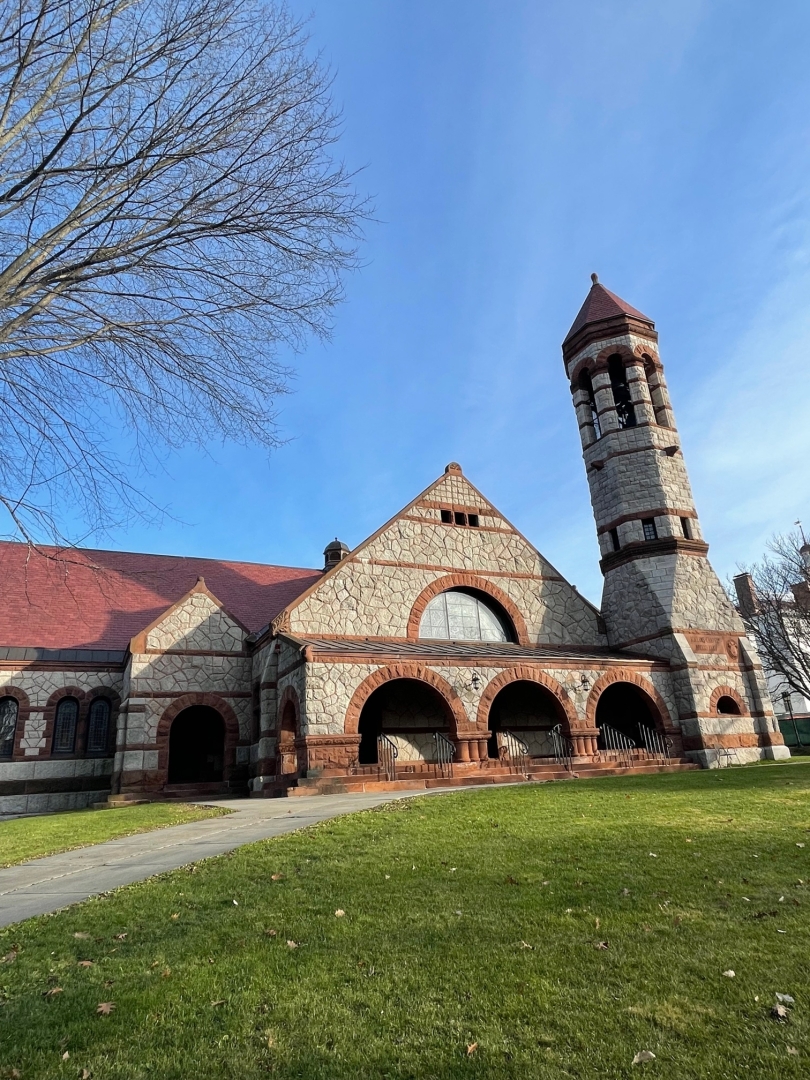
(524, 673)
(459, 719)
(463, 579)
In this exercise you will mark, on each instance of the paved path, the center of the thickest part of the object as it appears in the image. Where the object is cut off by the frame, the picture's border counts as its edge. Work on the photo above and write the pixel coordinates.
(55, 881)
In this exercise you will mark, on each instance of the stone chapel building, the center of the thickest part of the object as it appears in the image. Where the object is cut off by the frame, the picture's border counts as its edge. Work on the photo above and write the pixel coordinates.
(444, 649)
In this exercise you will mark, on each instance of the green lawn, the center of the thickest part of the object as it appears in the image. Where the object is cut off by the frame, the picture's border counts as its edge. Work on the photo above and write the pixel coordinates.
(31, 837)
(468, 947)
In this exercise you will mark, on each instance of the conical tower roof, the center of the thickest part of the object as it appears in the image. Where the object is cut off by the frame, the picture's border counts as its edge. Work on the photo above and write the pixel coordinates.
(601, 304)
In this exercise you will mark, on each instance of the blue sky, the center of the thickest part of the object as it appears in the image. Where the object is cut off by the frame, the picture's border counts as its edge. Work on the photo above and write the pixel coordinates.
(512, 148)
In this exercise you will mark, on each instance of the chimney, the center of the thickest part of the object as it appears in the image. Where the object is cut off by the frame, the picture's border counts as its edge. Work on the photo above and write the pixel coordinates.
(746, 595)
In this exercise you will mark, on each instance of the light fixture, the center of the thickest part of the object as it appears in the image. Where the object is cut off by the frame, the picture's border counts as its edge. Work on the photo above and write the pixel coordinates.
(475, 682)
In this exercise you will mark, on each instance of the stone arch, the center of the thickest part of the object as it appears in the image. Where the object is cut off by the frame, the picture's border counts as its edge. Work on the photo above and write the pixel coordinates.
(23, 708)
(616, 675)
(730, 692)
(464, 580)
(616, 349)
(460, 720)
(526, 673)
(185, 701)
(290, 745)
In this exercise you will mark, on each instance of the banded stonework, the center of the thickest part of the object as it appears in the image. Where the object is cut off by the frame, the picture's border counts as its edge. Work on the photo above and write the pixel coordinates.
(145, 676)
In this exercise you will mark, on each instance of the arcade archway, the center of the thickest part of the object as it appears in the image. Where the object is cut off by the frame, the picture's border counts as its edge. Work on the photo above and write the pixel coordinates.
(197, 746)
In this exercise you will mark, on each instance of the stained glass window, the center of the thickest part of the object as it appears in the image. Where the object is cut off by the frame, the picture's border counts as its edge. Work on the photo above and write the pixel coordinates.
(64, 729)
(8, 725)
(99, 727)
(461, 616)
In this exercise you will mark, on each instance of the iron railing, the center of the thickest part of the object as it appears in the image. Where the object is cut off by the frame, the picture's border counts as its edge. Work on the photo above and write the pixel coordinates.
(445, 752)
(387, 754)
(620, 745)
(654, 742)
(516, 749)
(563, 747)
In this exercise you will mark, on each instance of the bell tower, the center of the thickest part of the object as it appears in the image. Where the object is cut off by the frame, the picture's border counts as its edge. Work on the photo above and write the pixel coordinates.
(661, 595)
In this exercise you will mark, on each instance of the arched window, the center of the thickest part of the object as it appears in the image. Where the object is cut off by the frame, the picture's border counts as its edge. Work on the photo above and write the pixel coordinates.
(9, 708)
(64, 728)
(458, 615)
(98, 728)
(655, 394)
(727, 706)
(621, 392)
(586, 384)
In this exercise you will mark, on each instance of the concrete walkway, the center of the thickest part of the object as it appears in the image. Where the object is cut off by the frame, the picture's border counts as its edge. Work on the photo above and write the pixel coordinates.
(54, 882)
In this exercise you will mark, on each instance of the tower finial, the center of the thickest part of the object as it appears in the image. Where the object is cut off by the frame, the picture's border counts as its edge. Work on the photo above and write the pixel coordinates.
(595, 279)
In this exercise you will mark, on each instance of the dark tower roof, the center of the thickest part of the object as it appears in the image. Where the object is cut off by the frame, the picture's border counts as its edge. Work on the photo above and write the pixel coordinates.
(600, 305)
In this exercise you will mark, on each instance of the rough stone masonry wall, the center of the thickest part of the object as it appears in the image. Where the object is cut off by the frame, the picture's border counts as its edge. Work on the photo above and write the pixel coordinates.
(372, 593)
(23, 779)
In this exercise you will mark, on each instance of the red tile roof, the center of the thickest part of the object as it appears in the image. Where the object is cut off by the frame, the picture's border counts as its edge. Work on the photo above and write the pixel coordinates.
(82, 599)
(601, 303)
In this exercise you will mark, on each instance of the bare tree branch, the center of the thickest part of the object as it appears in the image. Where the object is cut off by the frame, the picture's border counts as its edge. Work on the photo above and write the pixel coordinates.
(776, 611)
(170, 212)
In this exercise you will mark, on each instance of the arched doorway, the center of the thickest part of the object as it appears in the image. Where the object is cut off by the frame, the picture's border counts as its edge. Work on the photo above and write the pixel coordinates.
(626, 708)
(197, 746)
(529, 711)
(409, 712)
(287, 731)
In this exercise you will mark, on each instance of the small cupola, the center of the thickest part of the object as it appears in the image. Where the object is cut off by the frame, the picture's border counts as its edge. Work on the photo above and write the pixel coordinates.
(333, 553)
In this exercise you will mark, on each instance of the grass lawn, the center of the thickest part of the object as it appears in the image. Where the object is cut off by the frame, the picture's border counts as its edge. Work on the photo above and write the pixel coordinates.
(31, 837)
(469, 946)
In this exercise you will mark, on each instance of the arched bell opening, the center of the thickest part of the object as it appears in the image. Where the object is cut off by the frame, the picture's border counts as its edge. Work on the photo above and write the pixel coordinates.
(409, 713)
(197, 746)
(628, 710)
(529, 711)
(727, 706)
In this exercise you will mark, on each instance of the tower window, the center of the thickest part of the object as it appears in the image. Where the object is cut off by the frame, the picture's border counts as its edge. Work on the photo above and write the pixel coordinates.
(586, 384)
(460, 518)
(650, 531)
(472, 520)
(621, 392)
(447, 517)
(614, 536)
(685, 528)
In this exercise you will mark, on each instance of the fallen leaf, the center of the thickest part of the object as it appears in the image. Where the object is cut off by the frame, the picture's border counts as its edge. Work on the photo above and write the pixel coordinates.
(643, 1055)
(66, 1055)
(85, 963)
(54, 990)
(625, 892)
(792, 1049)
(800, 845)
(120, 937)
(652, 856)
(85, 1074)
(104, 1008)
(780, 1013)
(216, 1004)
(81, 935)
(512, 881)
(108, 983)
(457, 913)
(339, 913)
(786, 999)
(276, 877)
(601, 945)
(597, 923)
(271, 1042)
(781, 931)
(781, 899)
(526, 945)
(166, 972)
(271, 933)
(10, 957)
(729, 974)
(236, 903)
(471, 1048)
(387, 877)
(292, 944)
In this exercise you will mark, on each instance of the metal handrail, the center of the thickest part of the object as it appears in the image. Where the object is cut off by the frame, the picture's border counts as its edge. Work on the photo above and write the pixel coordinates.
(445, 752)
(387, 754)
(563, 748)
(618, 743)
(517, 750)
(654, 742)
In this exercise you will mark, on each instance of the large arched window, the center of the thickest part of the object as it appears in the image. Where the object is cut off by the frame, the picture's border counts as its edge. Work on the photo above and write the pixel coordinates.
(98, 728)
(458, 615)
(64, 728)
(9, 708)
